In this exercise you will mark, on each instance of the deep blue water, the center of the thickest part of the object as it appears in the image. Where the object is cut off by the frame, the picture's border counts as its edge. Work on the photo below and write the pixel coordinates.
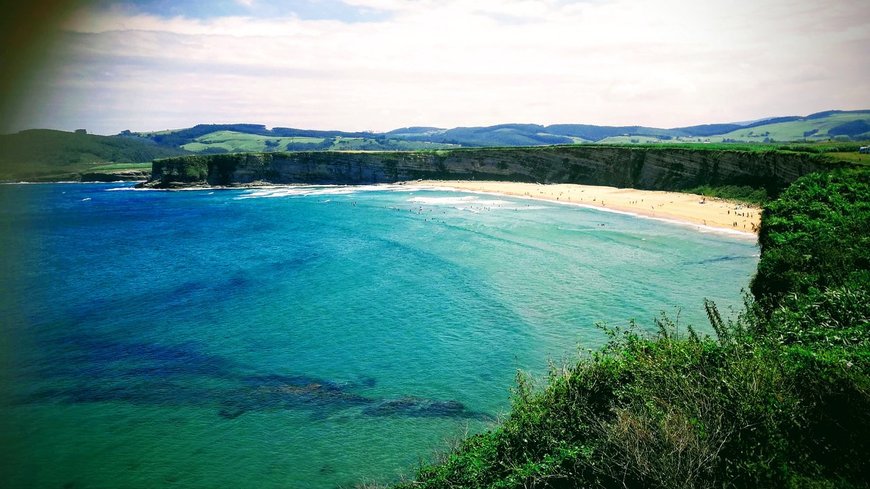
(307, 337)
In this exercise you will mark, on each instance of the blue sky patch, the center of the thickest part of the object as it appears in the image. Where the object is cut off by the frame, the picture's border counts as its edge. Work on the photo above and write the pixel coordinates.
(304, 9)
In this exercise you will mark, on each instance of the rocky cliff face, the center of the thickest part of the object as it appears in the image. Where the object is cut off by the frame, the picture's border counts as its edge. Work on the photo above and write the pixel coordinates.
(645, 168)
(115, 176)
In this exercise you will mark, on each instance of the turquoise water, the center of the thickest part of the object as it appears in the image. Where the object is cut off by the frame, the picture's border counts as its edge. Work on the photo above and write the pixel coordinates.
(305, 338)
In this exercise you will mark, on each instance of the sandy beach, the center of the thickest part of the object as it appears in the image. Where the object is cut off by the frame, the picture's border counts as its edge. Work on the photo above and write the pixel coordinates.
(674, 206)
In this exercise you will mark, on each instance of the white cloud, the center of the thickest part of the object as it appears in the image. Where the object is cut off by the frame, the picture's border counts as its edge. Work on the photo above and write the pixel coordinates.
(455, 62)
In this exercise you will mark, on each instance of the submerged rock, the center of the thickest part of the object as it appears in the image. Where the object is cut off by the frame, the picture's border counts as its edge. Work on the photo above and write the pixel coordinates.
(418, 407)
(271, 392)
(103, 369)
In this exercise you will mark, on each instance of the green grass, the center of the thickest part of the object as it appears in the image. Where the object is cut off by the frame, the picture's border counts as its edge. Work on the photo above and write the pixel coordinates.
(824, 146)
(121, 167)
(579, 140)
(239, 142)
(810, 130)
(223, 136)
(795, 130)
(851, 157)
(157, 133)
(196, 147)
(832, 151)
(229, 137)
(574, 139)
(629, 140)
(739, 193)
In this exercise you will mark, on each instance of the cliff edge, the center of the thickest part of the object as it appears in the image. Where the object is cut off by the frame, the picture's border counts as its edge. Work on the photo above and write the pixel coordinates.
(637, 167)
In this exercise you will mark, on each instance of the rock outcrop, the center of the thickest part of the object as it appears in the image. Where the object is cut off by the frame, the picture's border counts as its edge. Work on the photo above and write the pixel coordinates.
(115, 176)
(644, 168)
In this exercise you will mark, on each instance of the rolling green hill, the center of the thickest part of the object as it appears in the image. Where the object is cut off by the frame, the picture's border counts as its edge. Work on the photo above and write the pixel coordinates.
(42, 154)
(236, 142)
(234, 138)
(229, 138)
(227, 141)
(849, 125)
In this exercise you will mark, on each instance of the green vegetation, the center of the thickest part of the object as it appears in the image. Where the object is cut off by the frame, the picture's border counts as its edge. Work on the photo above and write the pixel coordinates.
(833, 151)
(239, 142)
(58, 155)
(212, 138)
(780, 398)
(826, 148)
(815, 238)
(121, 167)
(851, 157)
(369, 144)
(849, 124)
(629, 140)
(236, 138)
(740, 193)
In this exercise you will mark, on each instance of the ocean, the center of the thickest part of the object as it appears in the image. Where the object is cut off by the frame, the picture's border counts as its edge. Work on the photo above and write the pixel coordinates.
(305, 337)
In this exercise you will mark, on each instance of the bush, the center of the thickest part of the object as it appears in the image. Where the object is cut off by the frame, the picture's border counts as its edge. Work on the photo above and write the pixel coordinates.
(742, 193)
(815, 236)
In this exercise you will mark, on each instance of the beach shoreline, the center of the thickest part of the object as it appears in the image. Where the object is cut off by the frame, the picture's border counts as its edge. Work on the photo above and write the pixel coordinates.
(705, 213)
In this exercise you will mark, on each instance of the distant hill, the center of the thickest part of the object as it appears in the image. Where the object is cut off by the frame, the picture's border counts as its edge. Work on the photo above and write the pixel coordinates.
(43, 154)
(832, 124)
(232, 138)
(229, 138)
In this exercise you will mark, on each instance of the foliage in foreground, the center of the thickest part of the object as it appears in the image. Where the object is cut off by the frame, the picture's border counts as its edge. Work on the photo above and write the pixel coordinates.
(815, 237)
(780, 398)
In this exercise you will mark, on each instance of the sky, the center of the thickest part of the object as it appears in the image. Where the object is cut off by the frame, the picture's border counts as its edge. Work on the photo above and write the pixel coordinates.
(383, 64)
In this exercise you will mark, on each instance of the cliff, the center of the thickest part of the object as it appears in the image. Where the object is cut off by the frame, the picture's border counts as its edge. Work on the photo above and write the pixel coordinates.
(115, 176)
(657, 168)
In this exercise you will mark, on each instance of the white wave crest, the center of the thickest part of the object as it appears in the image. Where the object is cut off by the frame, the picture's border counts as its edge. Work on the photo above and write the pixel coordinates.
(303, 190)
(454, 201)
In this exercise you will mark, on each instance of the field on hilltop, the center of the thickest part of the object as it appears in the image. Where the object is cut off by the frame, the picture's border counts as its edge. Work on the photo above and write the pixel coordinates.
(238, 142)
(851, 125)
(839, 125)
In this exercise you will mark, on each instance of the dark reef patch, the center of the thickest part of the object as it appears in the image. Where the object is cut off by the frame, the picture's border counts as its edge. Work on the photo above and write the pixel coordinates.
(719, 259)
(418, 407)
(99, 369)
